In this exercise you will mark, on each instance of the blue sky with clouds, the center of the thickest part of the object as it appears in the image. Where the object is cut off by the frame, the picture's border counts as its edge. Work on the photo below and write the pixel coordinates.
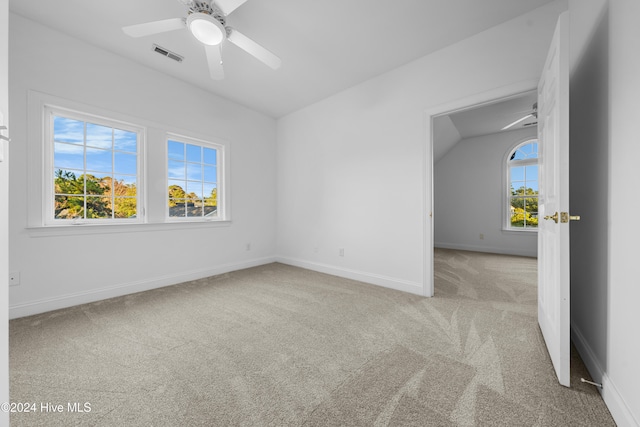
(192, 167)
(109, 151)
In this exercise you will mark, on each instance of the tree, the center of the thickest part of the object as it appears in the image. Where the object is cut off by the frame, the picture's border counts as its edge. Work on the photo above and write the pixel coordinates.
(124, 197)
(66, 206)
(212, 200)
(519, 217)
(70, 200)
(67, 183)
(175, 192)
(530, 204)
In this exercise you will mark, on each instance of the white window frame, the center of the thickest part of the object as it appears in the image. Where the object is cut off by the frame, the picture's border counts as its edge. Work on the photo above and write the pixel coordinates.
(506, 185)
(152, 168)
(48, 216)
(220, 147)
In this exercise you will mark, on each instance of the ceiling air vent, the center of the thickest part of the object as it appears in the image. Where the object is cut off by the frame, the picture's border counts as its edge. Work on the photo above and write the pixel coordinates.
(166, 52)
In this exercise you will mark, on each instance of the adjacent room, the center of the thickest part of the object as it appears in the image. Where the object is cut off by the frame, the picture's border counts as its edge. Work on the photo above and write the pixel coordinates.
(485, 177)
(235, 212)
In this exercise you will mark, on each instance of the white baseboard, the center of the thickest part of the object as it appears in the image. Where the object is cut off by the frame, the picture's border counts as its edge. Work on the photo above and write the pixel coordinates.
(361, 276)
(617, 405)
(586, 353)
(69, 300)
(487, 249)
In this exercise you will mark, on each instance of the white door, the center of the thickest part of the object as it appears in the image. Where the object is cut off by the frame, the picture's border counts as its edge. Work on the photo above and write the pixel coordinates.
(553, 230)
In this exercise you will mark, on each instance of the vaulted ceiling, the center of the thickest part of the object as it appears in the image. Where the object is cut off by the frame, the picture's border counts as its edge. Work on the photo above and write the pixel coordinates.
(516, 112)
(325, 46)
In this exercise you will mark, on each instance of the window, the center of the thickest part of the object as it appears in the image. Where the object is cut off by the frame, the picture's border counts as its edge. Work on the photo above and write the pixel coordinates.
(193, 172)
(522, 179)
(93, 173)
(88, 166)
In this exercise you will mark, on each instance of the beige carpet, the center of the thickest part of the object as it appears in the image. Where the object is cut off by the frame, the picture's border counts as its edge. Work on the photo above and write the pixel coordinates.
(277, 346)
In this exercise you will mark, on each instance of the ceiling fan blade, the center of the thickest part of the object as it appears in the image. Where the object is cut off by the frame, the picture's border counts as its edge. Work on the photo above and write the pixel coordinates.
(155, 27)
(214, 58)
(228, 6)
(253, 48)
(522, 119)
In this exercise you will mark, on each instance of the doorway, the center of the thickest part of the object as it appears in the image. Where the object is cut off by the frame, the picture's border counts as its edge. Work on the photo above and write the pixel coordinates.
(486, 177)
(443, 139)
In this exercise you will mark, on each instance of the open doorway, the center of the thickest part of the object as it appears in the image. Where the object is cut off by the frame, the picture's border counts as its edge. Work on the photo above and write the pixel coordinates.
(485, 183)
(553, 302)
(472, 142)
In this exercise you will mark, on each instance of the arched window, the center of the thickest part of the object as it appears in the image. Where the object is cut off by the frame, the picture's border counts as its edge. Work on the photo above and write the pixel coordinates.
(522, 187)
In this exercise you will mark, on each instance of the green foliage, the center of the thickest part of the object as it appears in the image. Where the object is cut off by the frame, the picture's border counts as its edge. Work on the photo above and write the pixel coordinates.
(520, 202)
(87, 196)
(212, 200)
(177, 193)
(519, 218)
(124, 197)
(522, 207)
(67, 183)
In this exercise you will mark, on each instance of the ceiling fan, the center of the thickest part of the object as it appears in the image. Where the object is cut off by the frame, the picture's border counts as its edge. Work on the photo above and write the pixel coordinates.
(206, 20)
(533, 113)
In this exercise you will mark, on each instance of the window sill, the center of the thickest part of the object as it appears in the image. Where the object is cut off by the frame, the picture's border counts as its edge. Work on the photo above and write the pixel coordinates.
(88, 229)
(530, 231)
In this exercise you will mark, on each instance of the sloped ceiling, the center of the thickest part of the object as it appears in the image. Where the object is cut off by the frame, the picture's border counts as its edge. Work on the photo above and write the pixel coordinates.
(325, 46)
(491, 118)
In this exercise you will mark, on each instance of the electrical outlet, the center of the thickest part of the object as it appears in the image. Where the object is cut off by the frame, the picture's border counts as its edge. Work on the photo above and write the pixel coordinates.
(341, 252)
(14, 278)
(481, 236)
(248, 246)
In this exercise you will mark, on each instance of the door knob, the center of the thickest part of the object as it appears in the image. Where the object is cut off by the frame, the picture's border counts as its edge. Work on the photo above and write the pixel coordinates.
(554, 217)
(565, 217)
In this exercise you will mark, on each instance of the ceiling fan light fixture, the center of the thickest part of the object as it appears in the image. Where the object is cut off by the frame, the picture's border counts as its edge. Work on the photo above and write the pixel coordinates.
(206, 29)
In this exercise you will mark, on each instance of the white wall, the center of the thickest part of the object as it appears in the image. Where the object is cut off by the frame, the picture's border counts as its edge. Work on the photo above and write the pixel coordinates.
(605, 314)
(60, 270)
(445, 137)
(469, 197)
(352, 169)
(623, 351)
(589, 183)
(4, 212)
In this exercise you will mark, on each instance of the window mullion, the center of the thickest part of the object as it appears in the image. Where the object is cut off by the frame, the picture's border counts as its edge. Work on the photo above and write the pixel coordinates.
(84, 170)
(113, 174)
(75, 131)
(197, 156)
(529, 158)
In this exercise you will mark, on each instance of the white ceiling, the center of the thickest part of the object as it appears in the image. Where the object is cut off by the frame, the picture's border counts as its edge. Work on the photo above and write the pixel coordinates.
(487, 119)
(325, 46)
(491, 118)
